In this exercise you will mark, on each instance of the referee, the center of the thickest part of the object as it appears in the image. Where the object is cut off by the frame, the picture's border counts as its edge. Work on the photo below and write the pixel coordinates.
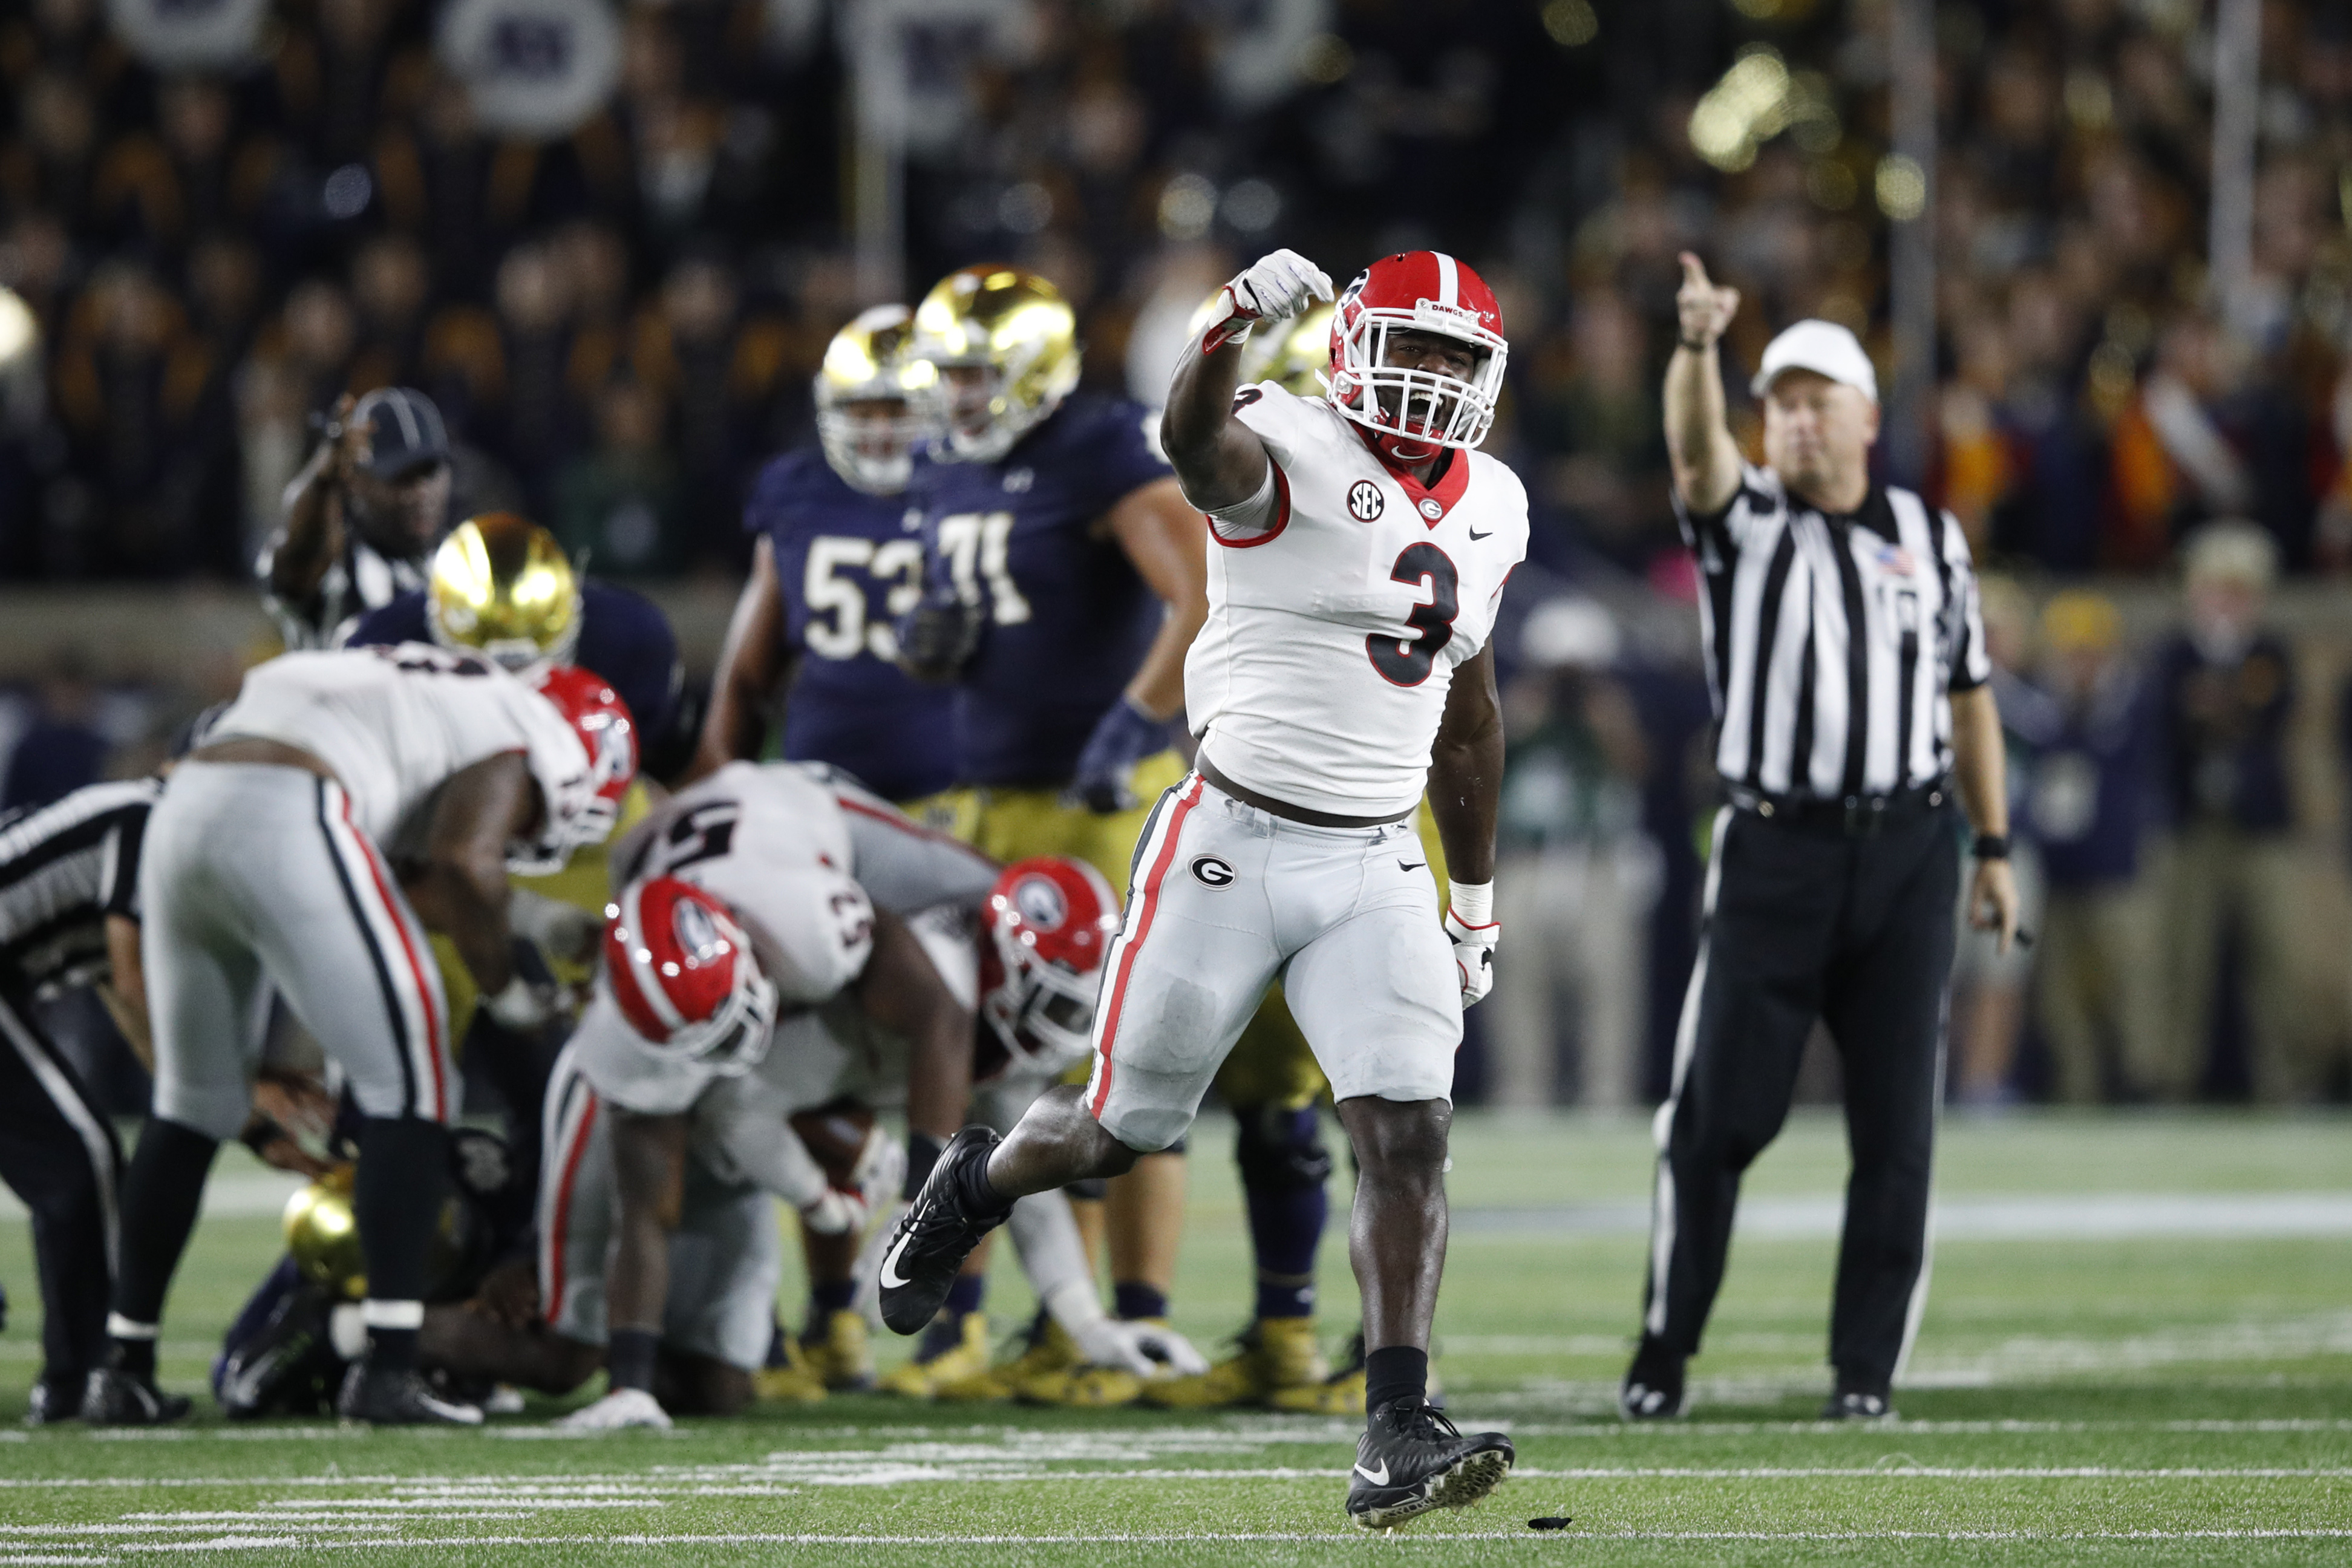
(1846, 659)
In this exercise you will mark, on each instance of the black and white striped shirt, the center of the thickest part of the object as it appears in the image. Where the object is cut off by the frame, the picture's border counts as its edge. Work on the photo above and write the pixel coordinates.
(63, 867)
(1834, 641)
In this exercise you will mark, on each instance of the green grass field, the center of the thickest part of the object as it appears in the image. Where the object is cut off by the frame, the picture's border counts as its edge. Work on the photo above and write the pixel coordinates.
(2138, 1348)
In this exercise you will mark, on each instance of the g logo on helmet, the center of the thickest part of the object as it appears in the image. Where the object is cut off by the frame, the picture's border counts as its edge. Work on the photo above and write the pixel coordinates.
(1365, 502)
(697, 934)
(1041, 903)
(1211, 872)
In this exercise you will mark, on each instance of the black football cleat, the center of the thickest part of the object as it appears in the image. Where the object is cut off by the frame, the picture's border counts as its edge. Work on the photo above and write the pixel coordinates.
(1853, 1404)
(934, 1236)
(55, 1399)
(1653, 1389)
(1411, 1459)
(389, 1396)
(117, 1398)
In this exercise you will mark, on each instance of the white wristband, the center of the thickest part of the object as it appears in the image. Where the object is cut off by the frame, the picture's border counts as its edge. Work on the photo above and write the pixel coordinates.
(1473, 902)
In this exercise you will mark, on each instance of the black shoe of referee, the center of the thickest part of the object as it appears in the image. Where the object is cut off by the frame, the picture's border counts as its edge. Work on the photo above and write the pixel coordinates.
(1411, 1459)
(1653, 1390)
(113, 1397)
(1857, 1402)
(935, 1235)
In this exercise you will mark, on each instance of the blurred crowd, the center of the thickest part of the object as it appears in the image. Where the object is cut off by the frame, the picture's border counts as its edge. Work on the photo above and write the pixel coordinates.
(620, 319)
(620, 322)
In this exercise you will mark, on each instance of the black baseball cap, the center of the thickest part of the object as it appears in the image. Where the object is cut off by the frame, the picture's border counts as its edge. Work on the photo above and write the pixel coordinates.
(406, 431)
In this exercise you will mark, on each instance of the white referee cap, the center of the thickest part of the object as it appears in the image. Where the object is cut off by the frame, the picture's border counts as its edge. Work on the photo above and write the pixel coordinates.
(1822, 347)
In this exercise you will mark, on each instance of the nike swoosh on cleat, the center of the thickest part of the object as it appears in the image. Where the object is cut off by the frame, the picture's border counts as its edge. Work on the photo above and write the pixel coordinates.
(891, 1279)
(1475, 534)
(1380, 1480)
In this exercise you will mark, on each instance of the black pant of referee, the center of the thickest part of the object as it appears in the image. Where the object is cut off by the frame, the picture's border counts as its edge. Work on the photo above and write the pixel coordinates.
(1815, 911)
(58, 1156)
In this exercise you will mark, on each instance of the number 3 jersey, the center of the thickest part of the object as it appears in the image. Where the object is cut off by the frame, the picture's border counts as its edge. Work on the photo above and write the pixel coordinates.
(1334, 631)
(847, 565)
(394, 723)
(1067, 618)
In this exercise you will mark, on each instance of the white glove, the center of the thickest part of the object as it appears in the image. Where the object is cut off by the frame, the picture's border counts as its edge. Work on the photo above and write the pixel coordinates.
(1273, 285)
(622, 1408)
(524, 1007)
(1470, 922)
(1146, 1350)
(836, 1212)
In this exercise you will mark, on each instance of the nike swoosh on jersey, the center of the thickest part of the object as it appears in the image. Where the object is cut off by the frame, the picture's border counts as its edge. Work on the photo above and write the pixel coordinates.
(1381, 1478)
(891, 1279)
(1410, 864)
(1475, 534)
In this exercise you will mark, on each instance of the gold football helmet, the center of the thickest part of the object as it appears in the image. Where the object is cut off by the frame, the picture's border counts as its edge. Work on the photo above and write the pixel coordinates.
(873, 361)
(1015, 326)
(1295, 352)
(324, 1235)
(501, 587)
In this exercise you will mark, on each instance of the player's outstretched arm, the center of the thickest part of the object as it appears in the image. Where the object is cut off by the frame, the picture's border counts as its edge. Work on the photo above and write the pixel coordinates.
(461, 890)
(1704, 459)
(1220, 460)
(312, 534)
(901, 991)
(1466, 771)
(1465, 793)
(752, 667)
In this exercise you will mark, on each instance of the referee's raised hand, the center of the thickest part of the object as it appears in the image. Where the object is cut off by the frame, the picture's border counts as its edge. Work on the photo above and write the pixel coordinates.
(1704, 309)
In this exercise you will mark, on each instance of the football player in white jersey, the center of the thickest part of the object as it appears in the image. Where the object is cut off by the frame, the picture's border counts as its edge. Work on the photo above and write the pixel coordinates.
(344, 804)
(1359, 548)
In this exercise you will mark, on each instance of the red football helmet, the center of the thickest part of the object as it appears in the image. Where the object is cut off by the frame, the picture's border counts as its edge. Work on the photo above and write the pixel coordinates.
(684, 974)
(1050, 923)
(601, 720)
(1413, 413)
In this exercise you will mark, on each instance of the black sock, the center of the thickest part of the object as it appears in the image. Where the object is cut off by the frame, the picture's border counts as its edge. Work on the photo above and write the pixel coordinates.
(396, 1201)
(393, 1350)
(827, 1297)
(1394, 1373)
(979, 1194)
(1133, 1300)
(629, 1359)
(160, 1199)
(135, 1356)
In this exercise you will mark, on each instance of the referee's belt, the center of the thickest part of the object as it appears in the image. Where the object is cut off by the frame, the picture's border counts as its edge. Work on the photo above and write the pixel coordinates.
(1850, 816)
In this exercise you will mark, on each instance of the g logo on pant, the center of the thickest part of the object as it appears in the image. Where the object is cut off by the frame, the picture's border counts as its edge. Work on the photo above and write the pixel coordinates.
(1211, 872)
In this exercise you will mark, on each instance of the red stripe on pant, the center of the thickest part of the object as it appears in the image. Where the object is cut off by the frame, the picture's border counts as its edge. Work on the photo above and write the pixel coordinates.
(433, 1048)
(1147, 905)
(558, 1230)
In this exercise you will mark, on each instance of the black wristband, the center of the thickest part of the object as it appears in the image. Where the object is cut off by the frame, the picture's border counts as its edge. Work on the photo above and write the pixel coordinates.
(260, 1132)
(923, 1152)
(1695, 348)
(1991, 847)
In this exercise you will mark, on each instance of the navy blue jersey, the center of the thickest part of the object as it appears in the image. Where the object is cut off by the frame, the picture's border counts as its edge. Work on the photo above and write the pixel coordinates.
(848, 564)
(624, 637)
(1068, 617)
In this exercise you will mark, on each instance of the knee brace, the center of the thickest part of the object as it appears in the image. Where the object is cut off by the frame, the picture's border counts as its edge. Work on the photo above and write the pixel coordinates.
(1281, 1149)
